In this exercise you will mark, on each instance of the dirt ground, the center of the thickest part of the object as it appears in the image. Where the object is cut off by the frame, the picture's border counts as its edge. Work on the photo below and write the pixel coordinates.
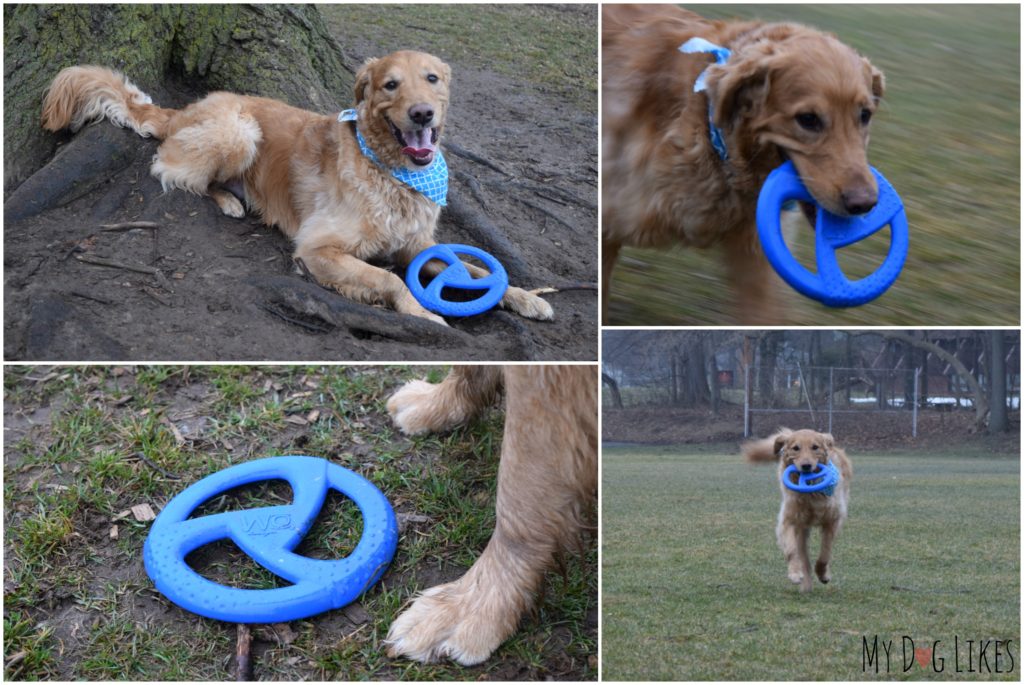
(209, 287)
(863, 430)
(83, 445)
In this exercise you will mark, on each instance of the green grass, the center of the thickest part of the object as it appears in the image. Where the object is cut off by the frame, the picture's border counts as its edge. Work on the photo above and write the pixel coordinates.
(694, 587)
(552, 47)
(78, 605)
(947, 137)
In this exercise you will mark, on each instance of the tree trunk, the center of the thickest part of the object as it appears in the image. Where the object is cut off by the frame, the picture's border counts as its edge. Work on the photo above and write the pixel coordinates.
(278, 51)
(980, 401)
(716, 392)
(613, 388)
(997, 422)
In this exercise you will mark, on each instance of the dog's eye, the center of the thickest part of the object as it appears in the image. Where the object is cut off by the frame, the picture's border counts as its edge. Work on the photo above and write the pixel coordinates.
(815, 448)
(809, 121)
(391, 85)
(432, 78)
(865, 117)
(796, 448)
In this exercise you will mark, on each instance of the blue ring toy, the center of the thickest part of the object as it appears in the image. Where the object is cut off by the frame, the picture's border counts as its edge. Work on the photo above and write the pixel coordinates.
(268, 535)
(823, 480)
(457, 276)
(832, 232)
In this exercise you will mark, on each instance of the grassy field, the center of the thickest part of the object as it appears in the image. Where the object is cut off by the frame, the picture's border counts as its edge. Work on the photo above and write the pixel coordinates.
(947, 137)
(694, 587)
(79, 606)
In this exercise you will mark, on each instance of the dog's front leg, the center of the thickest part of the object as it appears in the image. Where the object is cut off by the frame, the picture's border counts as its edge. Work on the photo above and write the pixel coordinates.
(335, 268)
(821, 568)
(516, 299)
(548, 472)
(754, 284)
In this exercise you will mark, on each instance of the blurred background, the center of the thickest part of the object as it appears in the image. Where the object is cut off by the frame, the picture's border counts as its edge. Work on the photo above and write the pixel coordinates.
(947, 137)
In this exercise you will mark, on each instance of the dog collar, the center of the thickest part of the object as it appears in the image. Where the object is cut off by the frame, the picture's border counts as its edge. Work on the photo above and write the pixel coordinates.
(721, 57)
(431, 181)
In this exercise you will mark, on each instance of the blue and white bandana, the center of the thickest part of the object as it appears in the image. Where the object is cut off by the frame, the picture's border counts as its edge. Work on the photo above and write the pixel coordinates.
(721, 57)
(431, 181)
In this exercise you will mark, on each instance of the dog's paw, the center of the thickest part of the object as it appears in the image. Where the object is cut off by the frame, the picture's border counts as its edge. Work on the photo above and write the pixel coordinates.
(823, 571)
(527, 304)
(407, 304)
(413, 408)
(230, 205)
(441, 624)
(795, 575)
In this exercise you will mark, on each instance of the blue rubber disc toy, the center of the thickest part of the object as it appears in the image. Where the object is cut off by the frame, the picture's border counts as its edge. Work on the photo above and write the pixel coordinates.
(823, 479)
(457, 276)
(268, 535)
(832, 232)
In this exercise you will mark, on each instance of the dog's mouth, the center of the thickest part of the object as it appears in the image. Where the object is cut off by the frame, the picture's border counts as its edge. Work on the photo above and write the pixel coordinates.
(419, 145)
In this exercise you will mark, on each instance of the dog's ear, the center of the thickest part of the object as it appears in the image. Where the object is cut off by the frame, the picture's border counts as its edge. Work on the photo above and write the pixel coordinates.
(780, 444)
(738, 88)
(830, 443)
(363, 77)
(876, 78)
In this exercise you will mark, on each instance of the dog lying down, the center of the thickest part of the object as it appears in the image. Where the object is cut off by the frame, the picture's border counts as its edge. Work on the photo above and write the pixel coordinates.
(345, 188)
(801, 511)
(547, 482)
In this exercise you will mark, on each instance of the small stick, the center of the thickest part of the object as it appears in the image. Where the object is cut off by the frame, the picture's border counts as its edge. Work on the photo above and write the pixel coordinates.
(128, 225)
(145, 460)
(100, 261)
(243, 664)
(87, 296)
(473, 157)
(563, 288)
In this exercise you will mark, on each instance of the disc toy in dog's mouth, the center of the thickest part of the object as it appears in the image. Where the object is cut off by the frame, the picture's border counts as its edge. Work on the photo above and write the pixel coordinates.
(420, 145)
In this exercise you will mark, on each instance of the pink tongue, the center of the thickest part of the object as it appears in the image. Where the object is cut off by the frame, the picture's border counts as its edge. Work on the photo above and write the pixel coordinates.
(420, 145)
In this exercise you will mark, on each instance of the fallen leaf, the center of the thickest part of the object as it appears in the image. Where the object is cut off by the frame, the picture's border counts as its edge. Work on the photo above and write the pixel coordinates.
(143, 512)
(297, 420)
(312, 416)
(113, 532)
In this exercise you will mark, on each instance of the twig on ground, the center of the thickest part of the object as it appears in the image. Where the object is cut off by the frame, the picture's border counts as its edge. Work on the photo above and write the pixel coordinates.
(138, 268)
(148, 462)
(87, 296)
(563, 288)
(243, 662)
(128, 225)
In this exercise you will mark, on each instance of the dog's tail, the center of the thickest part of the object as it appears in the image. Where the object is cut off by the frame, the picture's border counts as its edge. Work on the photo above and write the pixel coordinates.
(766, 449)
(79, 95)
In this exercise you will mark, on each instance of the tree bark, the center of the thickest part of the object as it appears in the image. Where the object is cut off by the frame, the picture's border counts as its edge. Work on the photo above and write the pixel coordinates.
(613, 387)
(998, 422)
(279, 51)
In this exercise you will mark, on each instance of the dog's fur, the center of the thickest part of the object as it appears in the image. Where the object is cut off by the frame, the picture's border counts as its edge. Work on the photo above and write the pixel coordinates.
(547, 481)
(301, 171)
(801, 511)
(664, 183)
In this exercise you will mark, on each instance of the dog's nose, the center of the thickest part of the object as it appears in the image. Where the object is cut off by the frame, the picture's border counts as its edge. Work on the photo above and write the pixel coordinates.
(806, 468)
(859, 200)
(421, 114)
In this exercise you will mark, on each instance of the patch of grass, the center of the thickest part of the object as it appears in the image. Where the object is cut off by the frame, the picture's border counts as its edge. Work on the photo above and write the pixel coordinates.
(550, 46)
(72, 589)
(27, 648)
(947, 137)
(696, 589)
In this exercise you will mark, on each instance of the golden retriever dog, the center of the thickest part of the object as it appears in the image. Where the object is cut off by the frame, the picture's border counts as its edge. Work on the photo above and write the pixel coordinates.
(786, 92)
(801, 511)
(301, 171)
(547, 482)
